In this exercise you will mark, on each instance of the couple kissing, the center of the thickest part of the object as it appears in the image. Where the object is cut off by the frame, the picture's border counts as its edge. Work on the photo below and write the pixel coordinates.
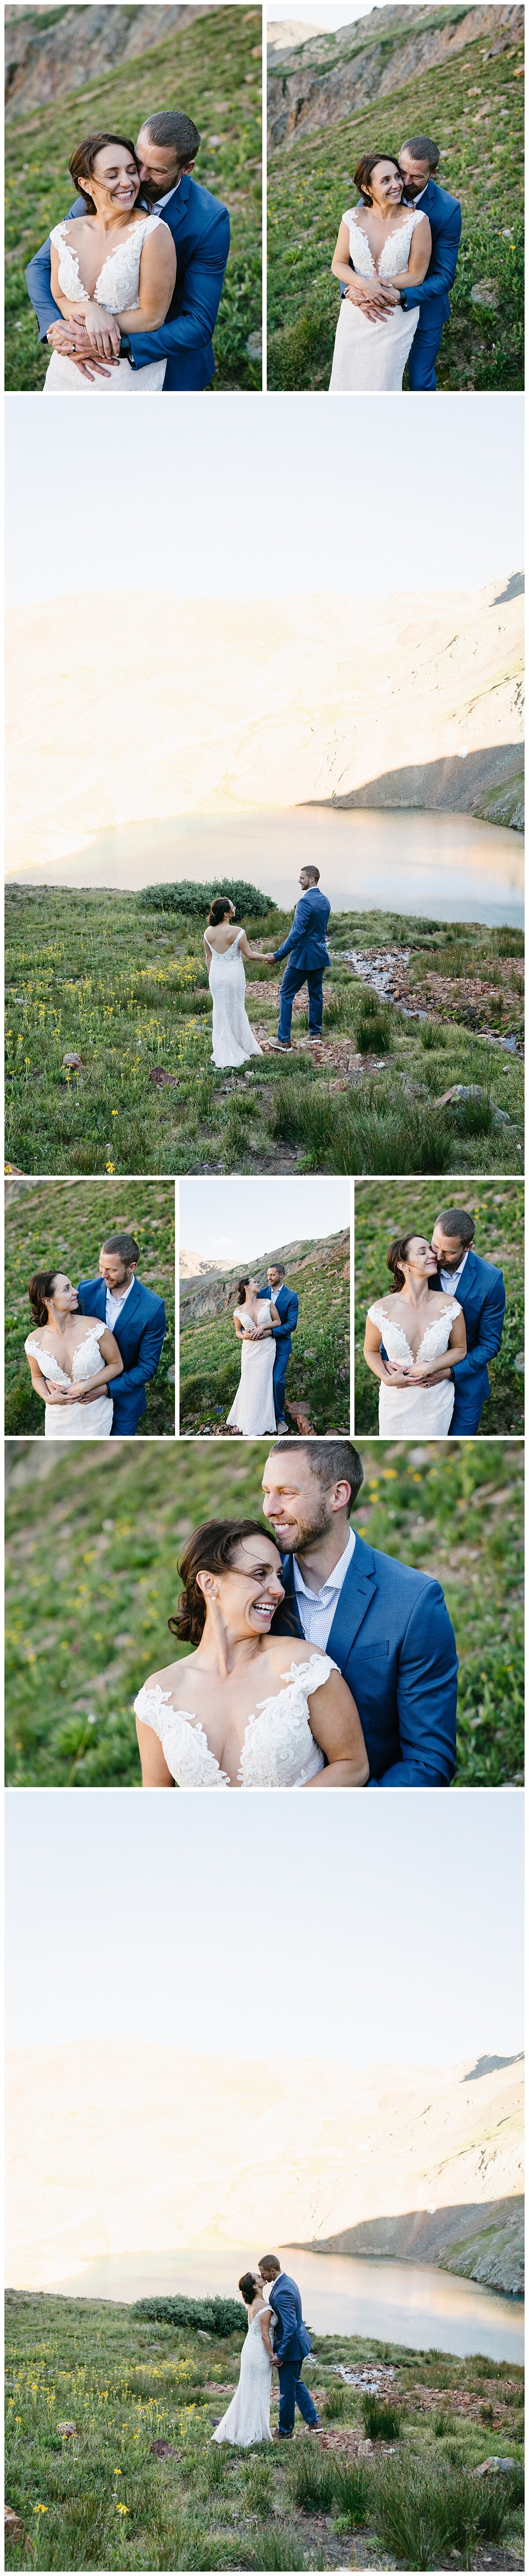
(364, 1691)
(276, 2339)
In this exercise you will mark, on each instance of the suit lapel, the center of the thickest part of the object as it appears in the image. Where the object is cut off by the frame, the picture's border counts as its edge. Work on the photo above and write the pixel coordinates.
(175, 213)
(129, 1315)
(356, 1594)
(466, 1291)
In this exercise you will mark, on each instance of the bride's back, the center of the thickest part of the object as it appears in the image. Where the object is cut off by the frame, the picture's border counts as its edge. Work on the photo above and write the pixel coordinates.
(220, 936)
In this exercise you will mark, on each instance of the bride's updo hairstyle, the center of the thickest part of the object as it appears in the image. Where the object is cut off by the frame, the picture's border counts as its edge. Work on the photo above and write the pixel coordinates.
(210, 1551)
(85, 156)
(41, 1288)
(364, 168)
(242, 1286)
(246, 2285)
(219, 909)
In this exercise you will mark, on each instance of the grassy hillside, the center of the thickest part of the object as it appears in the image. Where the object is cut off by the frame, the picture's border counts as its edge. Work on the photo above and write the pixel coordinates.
(455, 1509)
(386, 1208)
(213, 70)
(473, 107)
(60, 1224)
(98, 975)
(318, 1371)
(138, 2485)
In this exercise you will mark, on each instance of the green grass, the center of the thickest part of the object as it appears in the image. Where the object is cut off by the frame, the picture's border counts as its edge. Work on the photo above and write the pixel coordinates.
(310, 183)
(318, 1370)
(79, 1648)
(498, 1211)
(57, 1225)
(99, 975)
(127, 2383)
(212, 67)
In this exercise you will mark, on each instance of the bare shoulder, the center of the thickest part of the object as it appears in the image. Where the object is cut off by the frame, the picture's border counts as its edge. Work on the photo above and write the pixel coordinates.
(165, 1680)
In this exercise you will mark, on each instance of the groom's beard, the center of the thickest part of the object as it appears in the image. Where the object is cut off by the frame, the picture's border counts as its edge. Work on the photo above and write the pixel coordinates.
(296, 1539)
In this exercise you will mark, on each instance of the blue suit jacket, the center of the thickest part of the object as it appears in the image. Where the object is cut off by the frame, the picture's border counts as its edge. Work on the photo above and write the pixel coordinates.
(288, 1308)
(445, 219)
(200, 228)
(306, 942)
(394, 1643)
(481, 1293)
(139, 1333)
(292, 2342)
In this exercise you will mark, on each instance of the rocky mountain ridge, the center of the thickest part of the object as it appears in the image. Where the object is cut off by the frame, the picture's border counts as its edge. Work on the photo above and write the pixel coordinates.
(52, 54)
(200, 1296)
(335, 75)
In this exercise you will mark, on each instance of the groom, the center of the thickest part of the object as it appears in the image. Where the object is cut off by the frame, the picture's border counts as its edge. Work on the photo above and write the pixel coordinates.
(308, 955)
(288, 1308)
(418, 162)
(200, 226)
(385, 1625)
(479, 1289)
(137, 1320)
(291, 2345)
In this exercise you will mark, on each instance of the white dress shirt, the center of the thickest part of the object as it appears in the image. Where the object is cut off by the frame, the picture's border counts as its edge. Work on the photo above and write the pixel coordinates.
(450, 1278)
(317, 1609)
(114, 1305)
(164, 201)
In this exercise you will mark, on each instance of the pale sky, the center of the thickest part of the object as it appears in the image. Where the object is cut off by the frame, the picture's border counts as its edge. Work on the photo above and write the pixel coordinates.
(253, 496)
(232, 1220)
(180, 1920)
(321, 19)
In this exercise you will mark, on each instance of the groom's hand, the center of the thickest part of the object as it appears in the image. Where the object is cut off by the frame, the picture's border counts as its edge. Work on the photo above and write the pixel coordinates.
(70, 341)
(375, 299)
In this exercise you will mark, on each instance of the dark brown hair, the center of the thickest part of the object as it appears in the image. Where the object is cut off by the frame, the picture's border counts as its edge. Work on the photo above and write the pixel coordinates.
(397, 1254)
(241, 1287)
(458, 1222)
(247, 2287)
(40, 1288)
(124, 1244)
(363, 171)
(210, 1551)
(264, 2264)
(333, 1462)
(218, 909)
(85, 156)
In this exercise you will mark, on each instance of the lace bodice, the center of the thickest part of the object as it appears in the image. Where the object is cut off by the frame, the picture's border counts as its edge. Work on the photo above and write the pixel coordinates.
(396, 250)
(86, 1359)
(278, 1752)
(226, 961)
(118, 284)
(434, 1341)
(262, 1320)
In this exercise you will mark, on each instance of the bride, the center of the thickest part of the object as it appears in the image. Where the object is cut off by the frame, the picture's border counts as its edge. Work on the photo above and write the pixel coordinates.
(68, 1355)
(411, 1342)
(248, 2418)
(113, 271)
(233, 1039)
(254, 1319)
(259, 1720)
(391, 244)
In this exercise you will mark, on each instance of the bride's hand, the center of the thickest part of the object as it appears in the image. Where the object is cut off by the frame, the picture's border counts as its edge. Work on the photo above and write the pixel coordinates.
(102, 330)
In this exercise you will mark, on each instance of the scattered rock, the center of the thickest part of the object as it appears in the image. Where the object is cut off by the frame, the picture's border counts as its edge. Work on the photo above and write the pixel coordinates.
(164, 2451)
(254, 347)
(13, 2527)
(486, 291)
(72, 1063)
(519, 1363)
(68, 2431)
(495, 2464)
(159, 1075)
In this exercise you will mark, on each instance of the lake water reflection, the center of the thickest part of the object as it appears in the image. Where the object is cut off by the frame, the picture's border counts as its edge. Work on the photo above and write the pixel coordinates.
(409, 2303)
(448, 866)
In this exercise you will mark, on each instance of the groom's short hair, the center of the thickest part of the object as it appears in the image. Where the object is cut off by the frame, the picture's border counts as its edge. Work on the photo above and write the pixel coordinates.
(333, 1462)
(269, 2264)
(456, 1221)
(422, 148)
(311, 872)
(170, 127)
(279, 1266)
(125, 1246)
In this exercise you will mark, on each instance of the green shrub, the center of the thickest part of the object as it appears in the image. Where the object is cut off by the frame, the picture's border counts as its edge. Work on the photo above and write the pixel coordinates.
(312, 2479)
(382, 2423)
(192, 899)
(353, 2493)
(218, 2316)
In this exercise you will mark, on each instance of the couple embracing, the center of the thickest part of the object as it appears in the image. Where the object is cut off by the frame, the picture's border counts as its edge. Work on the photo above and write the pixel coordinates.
(317, 1662)
(395, 258)
(127, 287)
(93, 1349)
(428, 1345)
(276, 2339)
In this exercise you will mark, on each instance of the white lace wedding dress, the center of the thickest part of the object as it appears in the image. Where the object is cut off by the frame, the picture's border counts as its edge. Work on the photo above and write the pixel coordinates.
(405, 1410)
(278, 1751)
(233, 1039)
(117, 288)
(75, 1421)
(254, 1408)
(248, 2418)
(370, 357)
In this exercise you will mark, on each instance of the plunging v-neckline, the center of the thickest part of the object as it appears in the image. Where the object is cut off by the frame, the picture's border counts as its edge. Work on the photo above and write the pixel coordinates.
(391, 236)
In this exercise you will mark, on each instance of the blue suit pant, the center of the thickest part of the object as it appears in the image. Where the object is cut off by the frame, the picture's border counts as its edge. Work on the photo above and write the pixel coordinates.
(292, 2393)
(426, 344)
(294, 977)
(469, 1401)
(281, 1361)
